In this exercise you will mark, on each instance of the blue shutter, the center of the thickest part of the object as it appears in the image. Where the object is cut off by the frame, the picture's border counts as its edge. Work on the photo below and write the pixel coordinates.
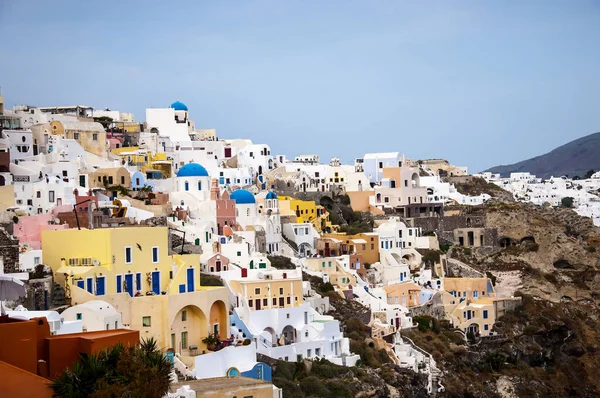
(190, 279)
(90, 285)
(181, 288)
(81, 284)
(156, 282)
(100, 286)
(138, 281)
(119, 283)
(129, 282)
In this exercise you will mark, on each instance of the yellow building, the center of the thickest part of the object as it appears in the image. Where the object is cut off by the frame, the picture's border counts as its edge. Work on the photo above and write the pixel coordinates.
(144, 160)
(158, 293)
(274, 291)
(305, 210)
(90, 135)
(336, 274)
(406, 294)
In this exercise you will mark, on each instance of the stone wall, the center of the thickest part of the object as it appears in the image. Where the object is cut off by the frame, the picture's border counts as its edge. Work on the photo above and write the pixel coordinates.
(9, 252)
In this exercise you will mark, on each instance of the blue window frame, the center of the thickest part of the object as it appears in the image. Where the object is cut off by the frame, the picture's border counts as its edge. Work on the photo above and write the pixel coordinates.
(119, 283)
(100, 286)
(190, 279)
(90, 285)
(81, 284)
(156, 282)
(181, 288)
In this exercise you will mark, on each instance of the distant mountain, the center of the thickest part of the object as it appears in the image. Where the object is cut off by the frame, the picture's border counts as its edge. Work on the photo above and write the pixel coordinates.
(573, 159)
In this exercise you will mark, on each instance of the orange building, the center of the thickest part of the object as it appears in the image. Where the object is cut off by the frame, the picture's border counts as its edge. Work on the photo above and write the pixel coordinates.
(16, 382)
(28, 345)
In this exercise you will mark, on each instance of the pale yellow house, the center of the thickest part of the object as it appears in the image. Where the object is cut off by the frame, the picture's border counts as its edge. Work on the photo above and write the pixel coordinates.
(336, 274)
(157, 293)
(90, 135)
(262, 294)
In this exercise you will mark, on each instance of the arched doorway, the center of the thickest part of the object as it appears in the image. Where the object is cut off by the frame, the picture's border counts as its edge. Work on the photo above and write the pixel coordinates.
(268, 337)
(188, 328)
(289, 334)
(218, 319)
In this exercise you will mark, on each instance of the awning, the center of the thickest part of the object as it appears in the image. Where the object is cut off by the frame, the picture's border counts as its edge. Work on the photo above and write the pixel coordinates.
(74, 270)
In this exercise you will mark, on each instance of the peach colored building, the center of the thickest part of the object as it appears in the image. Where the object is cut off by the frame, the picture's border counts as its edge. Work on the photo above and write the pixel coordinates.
(29, 229)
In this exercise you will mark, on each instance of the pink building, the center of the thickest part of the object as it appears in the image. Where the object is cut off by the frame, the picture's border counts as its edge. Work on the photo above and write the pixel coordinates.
(29, 228)
(225, 208)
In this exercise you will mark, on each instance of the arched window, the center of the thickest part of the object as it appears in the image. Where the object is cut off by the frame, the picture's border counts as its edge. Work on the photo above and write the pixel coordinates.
(233, 372)
(199, 185)
(187, 186)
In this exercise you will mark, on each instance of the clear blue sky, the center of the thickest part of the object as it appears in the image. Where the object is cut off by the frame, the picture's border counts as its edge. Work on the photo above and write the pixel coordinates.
(479, 83)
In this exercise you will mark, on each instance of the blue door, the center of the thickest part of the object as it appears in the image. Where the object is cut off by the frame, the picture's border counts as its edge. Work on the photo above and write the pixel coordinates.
(90, 285)
(138, 282)
(156, 282)
(81, 284)
(129, 283)
(190, 279)
(119, 283)
(100, 286)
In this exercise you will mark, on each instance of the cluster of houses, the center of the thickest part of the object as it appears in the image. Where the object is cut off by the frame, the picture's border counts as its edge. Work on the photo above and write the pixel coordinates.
(116, 226)
(582, 194)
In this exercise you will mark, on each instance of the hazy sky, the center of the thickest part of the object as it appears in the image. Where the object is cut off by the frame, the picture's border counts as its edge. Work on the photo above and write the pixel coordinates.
(479, 83)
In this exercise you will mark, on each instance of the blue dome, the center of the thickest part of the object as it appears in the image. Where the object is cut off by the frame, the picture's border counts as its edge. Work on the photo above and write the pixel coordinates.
(243, 197)
(179, 106)
(192, 170)
(271, 195)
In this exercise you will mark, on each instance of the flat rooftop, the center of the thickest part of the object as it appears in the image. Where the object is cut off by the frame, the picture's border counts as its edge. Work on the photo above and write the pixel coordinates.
(217, 383)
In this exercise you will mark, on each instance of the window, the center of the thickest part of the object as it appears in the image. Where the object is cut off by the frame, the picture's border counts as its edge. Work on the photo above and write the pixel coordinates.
(485, 314)
(265, 302)
(78, 316)
(289, 301)
(146, 322)
(122, 180)
(485, 327)
(51, 196)
(75, 136)
(381, 165)
(64, 173)
(250, 303)
(280, 290)
(37, 260)
(155, 254)
(183, 316)
(128, 255)
(95, 137)
(38, 194)
(410, 232)
(274, 301)
(184, 340)
(239, 254)
(257, 290)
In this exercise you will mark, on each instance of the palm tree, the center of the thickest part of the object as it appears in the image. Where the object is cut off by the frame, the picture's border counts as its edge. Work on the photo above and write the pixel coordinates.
(132, 371)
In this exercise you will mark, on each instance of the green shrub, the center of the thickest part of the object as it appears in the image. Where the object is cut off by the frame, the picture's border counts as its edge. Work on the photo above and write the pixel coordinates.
(290, 389)
(312, 386)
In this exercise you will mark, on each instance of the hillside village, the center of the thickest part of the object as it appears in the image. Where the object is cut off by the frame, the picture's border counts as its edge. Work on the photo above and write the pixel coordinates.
(238, 261)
